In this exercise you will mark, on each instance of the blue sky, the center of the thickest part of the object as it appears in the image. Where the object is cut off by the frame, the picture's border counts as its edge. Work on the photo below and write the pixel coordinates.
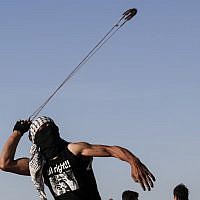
(140, 91)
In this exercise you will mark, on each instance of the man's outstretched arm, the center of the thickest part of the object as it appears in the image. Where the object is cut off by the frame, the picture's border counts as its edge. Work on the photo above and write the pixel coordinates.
(7, 156)
(139, 171)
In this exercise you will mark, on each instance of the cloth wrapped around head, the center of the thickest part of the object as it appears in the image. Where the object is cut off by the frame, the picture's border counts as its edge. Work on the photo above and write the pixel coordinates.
(44, 135)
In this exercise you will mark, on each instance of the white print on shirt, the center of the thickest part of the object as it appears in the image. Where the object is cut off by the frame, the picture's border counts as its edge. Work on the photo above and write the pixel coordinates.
(62, 178)
(89, 167)
(63, 183)
(59, 168)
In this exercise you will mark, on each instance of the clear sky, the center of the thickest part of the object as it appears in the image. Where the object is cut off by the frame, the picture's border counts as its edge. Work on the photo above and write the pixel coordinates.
(140, 91)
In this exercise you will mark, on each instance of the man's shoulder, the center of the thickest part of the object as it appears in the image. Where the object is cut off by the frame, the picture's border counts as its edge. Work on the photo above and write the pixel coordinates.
(77, 147)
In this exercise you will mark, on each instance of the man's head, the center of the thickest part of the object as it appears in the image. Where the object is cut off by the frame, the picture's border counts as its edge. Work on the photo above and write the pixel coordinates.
(181, 192)
(129, 195)
(37, 125)
(44, 134)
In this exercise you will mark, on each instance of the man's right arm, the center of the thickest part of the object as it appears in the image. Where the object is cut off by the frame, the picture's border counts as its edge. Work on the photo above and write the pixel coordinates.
(8, 162)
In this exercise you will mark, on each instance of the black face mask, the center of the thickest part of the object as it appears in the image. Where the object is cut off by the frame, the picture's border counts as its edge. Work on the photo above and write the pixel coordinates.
(49, 141)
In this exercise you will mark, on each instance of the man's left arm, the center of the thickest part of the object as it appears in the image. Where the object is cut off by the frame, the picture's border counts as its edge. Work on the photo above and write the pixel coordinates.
(139, 171)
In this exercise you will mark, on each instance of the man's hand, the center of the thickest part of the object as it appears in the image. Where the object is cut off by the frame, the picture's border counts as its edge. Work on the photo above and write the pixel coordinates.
(142, 175)
(22, 126)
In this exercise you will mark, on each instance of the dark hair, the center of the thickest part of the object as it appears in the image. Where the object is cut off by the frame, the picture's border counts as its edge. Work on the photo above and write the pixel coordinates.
(181, 192)
(129, 195)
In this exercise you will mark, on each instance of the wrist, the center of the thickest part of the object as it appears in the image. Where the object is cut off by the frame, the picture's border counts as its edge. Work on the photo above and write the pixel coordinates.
(17, 133)
(134, 160)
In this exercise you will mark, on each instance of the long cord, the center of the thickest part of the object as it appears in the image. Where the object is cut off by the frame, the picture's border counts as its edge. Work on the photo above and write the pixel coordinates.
(125, 17)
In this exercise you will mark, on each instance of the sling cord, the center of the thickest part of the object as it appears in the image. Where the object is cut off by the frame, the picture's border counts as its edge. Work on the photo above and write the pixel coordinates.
(126, 17)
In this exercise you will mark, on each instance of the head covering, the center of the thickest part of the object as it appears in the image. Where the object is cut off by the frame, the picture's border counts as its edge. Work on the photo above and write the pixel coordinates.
(37, 160)
(36, 124)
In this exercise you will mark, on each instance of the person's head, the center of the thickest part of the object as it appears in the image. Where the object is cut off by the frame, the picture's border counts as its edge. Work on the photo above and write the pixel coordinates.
(39, 125)
(129, 195)
(181, 192)
(45, 134)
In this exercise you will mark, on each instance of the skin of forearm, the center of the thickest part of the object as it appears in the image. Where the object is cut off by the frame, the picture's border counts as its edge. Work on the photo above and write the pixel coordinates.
(122, 154)
(7, 162)
(109, 151)
(9, 148)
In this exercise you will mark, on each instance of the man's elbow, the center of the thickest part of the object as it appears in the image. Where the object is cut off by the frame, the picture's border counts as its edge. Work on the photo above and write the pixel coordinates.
(4, 165)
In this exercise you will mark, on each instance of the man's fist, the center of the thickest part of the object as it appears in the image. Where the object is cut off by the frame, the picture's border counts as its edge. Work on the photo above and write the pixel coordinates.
(22, 126)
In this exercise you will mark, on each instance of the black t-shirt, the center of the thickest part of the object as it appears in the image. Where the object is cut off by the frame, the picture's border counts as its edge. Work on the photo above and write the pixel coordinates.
(71, 177)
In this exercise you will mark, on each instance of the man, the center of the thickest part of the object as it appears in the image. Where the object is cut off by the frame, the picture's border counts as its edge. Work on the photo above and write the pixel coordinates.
(181, 192)
(65, 167)
(129, 195)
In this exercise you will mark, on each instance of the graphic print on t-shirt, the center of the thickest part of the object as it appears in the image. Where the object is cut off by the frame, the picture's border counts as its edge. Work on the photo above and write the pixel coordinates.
(62, 178)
